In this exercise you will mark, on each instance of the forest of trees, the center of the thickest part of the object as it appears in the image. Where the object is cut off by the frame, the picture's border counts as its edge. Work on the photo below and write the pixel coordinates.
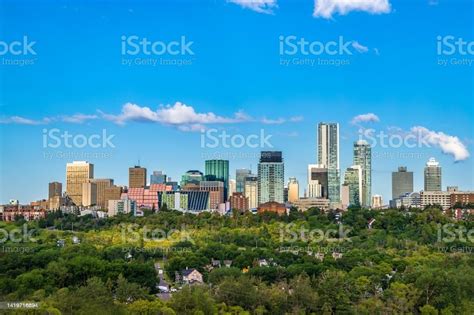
(404, 262)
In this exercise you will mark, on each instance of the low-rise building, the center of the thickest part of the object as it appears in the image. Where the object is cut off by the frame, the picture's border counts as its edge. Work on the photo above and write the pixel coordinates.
(304, 204)
(440, 198)
(272, 206)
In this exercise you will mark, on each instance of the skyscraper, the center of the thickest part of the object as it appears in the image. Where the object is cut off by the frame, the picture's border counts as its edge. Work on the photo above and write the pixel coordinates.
(363, 158)
(402, 182)
(101, 185)
(271, 177)
(328, 155)
(353, 179)
(218, 170)
(136, 177)
(232, 187)
(77, 173)
(240, 175)
(251, 190)
(293, 189)
(55, 189)
(89, 194)
(192, 177)
(317, 181)
(157, 178)
(432, 175)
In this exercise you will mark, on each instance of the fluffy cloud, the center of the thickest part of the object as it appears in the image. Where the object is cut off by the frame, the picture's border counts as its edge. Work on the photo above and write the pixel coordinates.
(448, 144)
(369, 117)
(260, 6)
(326, 8)
(177, 114)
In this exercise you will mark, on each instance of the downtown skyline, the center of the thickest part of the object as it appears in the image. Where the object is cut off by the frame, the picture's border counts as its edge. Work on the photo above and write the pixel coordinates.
(393, 84)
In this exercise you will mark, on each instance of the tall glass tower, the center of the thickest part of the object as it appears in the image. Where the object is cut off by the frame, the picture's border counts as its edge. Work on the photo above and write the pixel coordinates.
(218, 170)
(328, 156)
(271, 177)
(432, 175)
(363, 158)
(240, 175)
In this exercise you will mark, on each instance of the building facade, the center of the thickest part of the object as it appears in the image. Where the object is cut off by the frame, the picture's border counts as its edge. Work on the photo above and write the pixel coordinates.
(353, 180)
(101, 185)
(157, 177)
(136, 177)
(218, 170)
(402, 182)
(239, 202)
(240, 175)
(432, 175)
(271, 177)
(328, 155)
(251, 190)
(77, 173)
(55, 189)
(363, 158)
(293, 189)
(317, 181)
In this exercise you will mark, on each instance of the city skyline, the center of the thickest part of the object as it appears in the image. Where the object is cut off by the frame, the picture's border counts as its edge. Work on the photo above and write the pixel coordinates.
(393, 85)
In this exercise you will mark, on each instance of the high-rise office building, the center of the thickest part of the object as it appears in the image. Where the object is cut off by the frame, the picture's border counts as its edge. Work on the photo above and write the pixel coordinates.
(377, 202)
(240, 175)
(218, 170)
(112, 193)
(293, 189)
(136, 177)
(402, 182)
(271, 177)
(89, 194)
(363, 158)
(192, 177)
(101, 185)
(232, 187)
(77, 173)
(157, 178)
(432, 175)
(317, 181)
(216, 192)
(353, 180)
(328, 155)
(251, 190)
(55, 190)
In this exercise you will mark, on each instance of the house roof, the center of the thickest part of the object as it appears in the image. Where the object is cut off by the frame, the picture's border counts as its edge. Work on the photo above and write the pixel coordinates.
(187, 272)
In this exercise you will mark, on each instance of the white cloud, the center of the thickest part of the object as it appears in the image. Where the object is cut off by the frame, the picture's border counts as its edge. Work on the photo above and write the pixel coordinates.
(359, 47)
(78, 118)
(326, 8)
(24, 121)
(369, 117)
(260, 6)
(448, 144)
(277, 121)
(177, 114)
(296, 118)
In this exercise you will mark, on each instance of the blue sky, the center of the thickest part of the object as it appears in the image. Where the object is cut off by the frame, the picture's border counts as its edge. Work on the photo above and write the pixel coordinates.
(235, 82)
